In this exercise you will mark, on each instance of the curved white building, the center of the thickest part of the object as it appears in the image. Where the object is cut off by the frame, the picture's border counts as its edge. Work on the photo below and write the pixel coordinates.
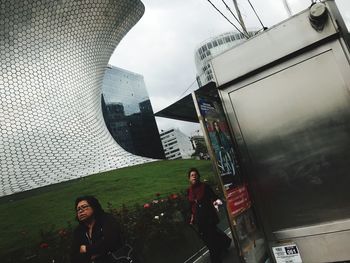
(211, 48)
(53, 55)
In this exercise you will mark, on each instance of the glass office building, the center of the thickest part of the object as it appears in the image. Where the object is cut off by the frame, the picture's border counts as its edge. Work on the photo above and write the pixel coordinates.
(128, 113)
(211, 48)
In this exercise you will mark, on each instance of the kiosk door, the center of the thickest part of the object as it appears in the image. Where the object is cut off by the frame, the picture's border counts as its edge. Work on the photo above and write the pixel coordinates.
(293, 125)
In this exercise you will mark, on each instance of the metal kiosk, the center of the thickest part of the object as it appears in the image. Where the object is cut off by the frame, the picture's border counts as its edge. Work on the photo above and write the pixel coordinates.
(286, 95)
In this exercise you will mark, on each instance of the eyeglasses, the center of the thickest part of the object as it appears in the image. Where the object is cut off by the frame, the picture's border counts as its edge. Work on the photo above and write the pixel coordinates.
(82, 208)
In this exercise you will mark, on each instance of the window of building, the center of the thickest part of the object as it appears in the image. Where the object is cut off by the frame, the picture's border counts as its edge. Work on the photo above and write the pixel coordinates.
(168, 132)
(171, 143)
(175, 151)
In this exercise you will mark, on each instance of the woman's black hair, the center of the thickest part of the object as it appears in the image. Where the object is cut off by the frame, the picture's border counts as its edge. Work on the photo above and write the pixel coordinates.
(217, 123)
(93, 202)
(193, 170)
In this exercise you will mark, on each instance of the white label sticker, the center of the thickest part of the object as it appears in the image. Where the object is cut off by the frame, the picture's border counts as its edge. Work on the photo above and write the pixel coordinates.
(287, 254)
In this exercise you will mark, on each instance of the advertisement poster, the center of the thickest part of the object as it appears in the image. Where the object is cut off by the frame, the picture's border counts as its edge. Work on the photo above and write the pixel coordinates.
(245, 225)
(238, 200)
(250, 241)
(220, 140)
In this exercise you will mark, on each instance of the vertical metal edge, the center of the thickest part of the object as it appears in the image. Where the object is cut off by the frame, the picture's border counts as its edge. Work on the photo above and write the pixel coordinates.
(340, 25)
(217, 175)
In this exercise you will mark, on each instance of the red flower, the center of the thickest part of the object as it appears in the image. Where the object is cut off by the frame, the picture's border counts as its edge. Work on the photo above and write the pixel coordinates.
(44, 245)
(174, 196)
(146, 205)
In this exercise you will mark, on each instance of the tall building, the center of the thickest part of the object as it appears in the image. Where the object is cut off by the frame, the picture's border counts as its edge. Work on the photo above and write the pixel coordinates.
(53, 57)
(128, 113)
(176, 144)
(211, 48)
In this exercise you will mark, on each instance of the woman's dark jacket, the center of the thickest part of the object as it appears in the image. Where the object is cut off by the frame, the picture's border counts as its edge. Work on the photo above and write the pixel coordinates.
(201, 198)
(106, 237)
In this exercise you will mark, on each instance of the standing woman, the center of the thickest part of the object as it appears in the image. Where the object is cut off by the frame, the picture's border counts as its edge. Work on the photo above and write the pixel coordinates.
(97, 234)
(203, 214)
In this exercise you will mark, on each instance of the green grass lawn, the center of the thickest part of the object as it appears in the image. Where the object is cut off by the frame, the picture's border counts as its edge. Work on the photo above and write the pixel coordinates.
(23, 215)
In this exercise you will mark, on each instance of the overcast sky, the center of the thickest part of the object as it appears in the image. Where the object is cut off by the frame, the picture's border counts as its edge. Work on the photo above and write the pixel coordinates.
(161, 45)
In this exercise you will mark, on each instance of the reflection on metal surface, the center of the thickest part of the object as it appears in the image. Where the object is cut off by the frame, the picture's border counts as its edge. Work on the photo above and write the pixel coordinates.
(323, 248)
(324, 228)
(297, 135)
(53, 55)
(127, 110)
(291, 121)
(269, 47)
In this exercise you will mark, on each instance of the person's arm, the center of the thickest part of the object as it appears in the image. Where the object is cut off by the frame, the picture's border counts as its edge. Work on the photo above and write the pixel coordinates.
(111, 238)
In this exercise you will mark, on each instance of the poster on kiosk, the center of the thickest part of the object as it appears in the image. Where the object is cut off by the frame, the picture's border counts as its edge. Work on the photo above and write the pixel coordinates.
(238, 202)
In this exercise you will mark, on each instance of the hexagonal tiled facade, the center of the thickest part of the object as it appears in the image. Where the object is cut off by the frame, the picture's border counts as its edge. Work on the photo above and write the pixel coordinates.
(53, 54)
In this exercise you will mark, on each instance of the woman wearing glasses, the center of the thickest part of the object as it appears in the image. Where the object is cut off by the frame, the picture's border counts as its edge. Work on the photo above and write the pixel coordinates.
(97, 234)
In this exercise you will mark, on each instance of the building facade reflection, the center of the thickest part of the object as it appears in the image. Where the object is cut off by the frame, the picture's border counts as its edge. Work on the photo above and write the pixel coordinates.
(128, 113)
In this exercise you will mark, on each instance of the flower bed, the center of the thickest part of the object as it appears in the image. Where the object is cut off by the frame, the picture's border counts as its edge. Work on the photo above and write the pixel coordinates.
(157, 230)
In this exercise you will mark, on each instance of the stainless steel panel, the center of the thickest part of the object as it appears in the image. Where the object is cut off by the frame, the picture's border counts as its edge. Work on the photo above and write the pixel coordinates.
(268, 47)
(291, 123)
(325, 248)
(329, 227)
(296, 127)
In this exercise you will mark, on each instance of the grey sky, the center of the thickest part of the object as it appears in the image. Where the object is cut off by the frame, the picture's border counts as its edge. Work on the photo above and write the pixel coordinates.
(161, 45)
